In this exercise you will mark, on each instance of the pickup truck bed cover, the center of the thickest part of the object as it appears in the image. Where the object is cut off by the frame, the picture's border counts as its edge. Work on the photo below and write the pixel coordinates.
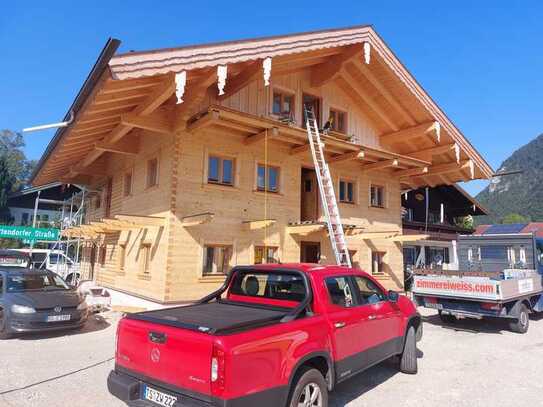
(214, 317)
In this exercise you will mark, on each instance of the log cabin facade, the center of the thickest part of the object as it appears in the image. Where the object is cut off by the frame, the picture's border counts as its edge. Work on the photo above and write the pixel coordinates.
(198, 160)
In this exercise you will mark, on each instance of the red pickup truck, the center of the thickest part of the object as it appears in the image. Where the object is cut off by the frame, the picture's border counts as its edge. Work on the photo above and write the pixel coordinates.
(273, 335)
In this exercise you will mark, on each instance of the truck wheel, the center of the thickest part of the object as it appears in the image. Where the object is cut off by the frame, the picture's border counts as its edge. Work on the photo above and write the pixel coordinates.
(408, 358)
(310, 390)
(521, 324)
(447, 318)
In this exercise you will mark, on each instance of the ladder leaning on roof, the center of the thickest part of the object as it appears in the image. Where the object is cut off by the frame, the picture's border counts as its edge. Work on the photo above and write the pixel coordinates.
(326, 189)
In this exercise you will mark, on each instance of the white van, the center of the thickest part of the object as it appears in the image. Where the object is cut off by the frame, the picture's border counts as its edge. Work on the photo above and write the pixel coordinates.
(55, 261)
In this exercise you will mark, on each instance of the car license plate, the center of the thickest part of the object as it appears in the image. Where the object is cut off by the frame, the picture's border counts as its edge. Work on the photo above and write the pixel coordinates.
(58, 318)
(434, 305)
(162, 399)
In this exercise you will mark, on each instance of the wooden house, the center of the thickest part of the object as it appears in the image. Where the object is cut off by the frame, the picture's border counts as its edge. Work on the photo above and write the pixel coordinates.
(201, 160)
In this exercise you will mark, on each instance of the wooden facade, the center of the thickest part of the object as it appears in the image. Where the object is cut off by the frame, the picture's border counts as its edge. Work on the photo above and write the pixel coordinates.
(178, 168)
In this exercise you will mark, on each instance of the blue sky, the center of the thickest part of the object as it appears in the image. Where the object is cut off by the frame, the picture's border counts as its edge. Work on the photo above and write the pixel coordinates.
(481, 61)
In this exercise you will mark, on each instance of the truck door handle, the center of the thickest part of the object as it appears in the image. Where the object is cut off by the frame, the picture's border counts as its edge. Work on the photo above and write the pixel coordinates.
(157, 337)
(339, 325)
(372, 317)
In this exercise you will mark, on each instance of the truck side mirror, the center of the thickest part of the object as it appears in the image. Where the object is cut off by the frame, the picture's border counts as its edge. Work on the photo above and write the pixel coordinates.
(393, 296)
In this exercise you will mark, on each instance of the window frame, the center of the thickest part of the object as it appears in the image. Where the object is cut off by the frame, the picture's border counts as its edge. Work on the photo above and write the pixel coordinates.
(337, 112)
(145, 262)
(350, 283)
(383, 196)
(381, 263)
(382, 297)
(220, 168)
(266, 178)
(127, 192)
(283, 92)
(229, 266)
(148, 184)
(347, 181)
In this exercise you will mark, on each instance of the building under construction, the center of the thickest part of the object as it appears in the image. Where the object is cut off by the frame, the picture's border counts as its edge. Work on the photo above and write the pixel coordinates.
(201, 158)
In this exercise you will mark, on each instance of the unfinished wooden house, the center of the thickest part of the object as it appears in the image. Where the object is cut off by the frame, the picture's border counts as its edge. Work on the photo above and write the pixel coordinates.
(197, 158)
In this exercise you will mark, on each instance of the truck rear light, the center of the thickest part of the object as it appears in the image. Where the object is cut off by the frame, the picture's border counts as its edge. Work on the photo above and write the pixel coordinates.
(491, 306)
(217, 371)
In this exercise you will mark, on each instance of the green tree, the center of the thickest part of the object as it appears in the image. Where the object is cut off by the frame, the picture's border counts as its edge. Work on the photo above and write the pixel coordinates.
(13, 156)
(515, 218)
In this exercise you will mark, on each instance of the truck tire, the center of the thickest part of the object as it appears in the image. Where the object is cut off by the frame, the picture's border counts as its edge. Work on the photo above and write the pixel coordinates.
(311, 387)
(522, 323)
(408, 358)
(447, 318)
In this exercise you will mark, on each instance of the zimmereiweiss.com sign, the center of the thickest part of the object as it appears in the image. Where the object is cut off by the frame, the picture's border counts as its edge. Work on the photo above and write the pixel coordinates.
(29, 233)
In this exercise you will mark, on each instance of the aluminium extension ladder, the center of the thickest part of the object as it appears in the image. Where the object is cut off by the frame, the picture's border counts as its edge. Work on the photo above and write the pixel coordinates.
(326, 189)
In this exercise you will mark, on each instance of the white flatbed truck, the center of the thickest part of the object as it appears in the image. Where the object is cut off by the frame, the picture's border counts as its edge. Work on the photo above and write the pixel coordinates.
(499, 276)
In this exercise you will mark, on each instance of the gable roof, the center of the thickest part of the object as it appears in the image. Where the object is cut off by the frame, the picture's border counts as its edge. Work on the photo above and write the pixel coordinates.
(150, 67)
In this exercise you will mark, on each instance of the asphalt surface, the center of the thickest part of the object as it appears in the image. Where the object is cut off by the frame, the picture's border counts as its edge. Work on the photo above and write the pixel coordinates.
(468, 364)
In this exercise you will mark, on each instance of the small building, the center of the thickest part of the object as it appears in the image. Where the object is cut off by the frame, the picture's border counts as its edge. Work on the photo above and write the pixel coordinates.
(201, 159)
(533, 227)
(52, 197)
(437, 214)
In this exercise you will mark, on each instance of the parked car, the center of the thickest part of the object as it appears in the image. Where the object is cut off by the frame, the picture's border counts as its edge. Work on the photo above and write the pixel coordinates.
(273, 335)
(55, 261)
(37, 301)
(98, 299)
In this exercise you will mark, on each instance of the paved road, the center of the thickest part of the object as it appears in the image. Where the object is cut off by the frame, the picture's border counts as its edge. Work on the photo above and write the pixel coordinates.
(480, 365)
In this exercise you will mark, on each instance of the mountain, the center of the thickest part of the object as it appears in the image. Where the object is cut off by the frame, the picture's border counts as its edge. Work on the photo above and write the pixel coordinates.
(520, 194)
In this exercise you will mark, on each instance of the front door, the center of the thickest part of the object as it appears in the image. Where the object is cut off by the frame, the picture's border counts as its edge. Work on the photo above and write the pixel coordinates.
(310, 252)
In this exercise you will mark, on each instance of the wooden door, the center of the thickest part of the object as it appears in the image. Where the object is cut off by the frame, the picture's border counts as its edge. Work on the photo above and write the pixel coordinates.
(310, 252)
(309, 202)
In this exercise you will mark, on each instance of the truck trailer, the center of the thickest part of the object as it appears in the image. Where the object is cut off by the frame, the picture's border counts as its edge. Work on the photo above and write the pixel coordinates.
(499, 276)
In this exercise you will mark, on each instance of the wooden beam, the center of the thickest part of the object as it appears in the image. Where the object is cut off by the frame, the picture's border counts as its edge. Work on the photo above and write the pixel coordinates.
(125, 147)
(299, 149)
(157, 122)
(246, 76)
(141, 220)
(270, 133)
(413, 172)
(324, 73)
(428, 153)
(92, 170)
(386, 94)
(380, 165)
(420, 130)
(353, 84)
(353, 155)
(198, 219)
(258, 224)
(79, 179)
(450, 167)
(207, 120)
(157, 97)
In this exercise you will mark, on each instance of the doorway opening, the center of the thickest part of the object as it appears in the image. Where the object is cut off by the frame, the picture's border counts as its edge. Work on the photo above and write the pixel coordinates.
(310, 252)
(312, 102)
(309, 196)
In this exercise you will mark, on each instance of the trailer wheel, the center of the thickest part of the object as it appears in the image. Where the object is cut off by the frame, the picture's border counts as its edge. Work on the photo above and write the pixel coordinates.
(447, 318)
(522, 323)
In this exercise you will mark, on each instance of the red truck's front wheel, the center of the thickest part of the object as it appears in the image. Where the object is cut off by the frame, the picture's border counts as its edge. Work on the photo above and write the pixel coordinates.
(310, 390)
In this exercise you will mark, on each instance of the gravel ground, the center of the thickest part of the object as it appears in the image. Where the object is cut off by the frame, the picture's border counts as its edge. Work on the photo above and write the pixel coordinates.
(470, 364)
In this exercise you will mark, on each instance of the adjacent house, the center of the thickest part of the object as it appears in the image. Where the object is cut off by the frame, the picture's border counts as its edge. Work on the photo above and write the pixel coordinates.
(201, 159)
(438, 214)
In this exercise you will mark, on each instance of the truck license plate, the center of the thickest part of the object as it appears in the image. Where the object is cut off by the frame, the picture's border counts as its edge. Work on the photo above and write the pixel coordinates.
(162, 399)
(58, 318)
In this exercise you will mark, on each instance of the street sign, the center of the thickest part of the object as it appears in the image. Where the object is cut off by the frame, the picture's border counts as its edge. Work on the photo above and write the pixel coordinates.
(29, 234)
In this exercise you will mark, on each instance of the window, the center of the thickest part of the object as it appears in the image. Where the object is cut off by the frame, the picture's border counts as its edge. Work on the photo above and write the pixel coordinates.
(494, 252)
(377, 196)
(122, 257)
(220, 170)
(377, 264)
(217, 259)
(266, 254)
(340, 291)
(102, 256)
(152, 172)
(346, 191)
(145, 258)
(283, 104)
(308, 185)
(98, 202)
(127, 184)
(338, 121)
(267, 178)
(368, 292)
(284, 286)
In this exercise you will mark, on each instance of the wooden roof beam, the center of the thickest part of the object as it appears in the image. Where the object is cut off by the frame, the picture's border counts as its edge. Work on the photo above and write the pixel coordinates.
(142, 220)
(246, 76)
(270, 133)
(428, 153)
(353, 155)
(380, 165)
(209, 119)
(125, 146)
(431, 128)
(324, 73)
(157, 97)
(412, 172)
(158, 122)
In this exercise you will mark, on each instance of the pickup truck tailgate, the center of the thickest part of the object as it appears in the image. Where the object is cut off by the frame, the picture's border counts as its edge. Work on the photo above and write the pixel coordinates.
(174, 356)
